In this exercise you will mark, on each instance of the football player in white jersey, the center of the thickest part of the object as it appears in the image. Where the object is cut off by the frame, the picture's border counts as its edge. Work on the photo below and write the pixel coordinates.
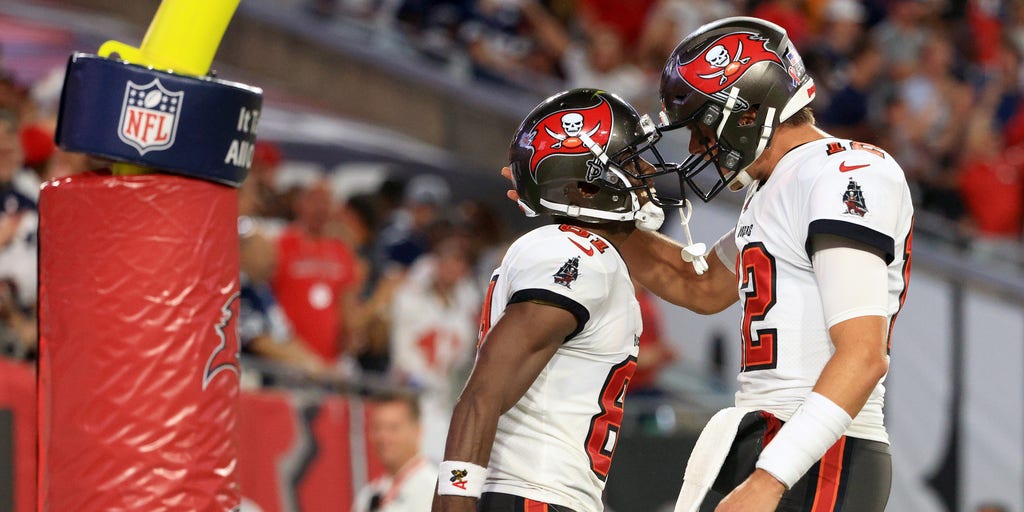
(821, 253)
(820, 260)
(536, 425)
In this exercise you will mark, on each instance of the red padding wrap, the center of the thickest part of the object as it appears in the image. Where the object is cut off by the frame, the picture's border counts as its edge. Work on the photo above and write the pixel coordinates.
(138, 373)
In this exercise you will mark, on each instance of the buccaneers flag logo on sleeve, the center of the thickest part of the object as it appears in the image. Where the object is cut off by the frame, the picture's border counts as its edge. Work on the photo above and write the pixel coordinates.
(724, 61)
(570, 132)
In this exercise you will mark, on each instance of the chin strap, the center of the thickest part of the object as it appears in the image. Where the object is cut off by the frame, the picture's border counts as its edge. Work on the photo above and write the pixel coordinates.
(692, 253)
(649, 218)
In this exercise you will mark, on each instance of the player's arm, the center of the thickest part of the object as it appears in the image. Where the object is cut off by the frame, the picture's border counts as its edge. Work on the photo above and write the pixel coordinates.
(654, 260)
(852, 280)
(513, 354)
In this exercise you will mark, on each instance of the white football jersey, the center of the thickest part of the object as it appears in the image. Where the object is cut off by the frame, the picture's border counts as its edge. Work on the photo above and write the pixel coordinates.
(555, 445)
(828, 186)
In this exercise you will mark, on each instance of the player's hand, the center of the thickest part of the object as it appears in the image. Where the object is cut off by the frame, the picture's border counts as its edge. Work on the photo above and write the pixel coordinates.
(507, 173)
(760, 492)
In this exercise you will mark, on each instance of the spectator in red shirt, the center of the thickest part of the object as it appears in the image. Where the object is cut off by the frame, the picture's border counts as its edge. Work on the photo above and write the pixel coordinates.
(789, 15)
(991, 184)
(318, 278)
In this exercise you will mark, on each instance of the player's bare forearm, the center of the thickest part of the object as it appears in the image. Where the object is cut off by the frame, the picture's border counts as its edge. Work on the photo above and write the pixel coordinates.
(470, 437)
(514, 353)
(654, 261)
(858, 363)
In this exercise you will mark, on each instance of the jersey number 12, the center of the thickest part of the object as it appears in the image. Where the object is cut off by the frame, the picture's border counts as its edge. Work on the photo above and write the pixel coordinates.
(760, 346)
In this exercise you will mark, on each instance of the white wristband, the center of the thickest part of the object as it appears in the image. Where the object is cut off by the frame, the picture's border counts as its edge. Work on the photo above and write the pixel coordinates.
(727, 251)
(804, 439)
(457, 478)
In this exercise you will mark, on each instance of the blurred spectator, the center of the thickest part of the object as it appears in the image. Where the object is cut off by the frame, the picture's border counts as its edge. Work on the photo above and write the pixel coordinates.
(262, 326)
(847, 113)
(433, 331)
(409, 479)
(318, 278)
(487, 239)
(991, 181)
(37, 144)
(601, 60)
(984, 21)
(407, 236)
(937, 102)
(500, 50)
(672, 20)
(788, 14)
(18, 332)
(1014, 25)
(841, 38)
(268, 202)
(901, 36)
(19, 217)
(627, 19)
(65, 163)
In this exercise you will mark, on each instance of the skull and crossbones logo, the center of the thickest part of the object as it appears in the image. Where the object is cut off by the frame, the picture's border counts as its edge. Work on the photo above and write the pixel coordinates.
(572, 125)
(718, 57)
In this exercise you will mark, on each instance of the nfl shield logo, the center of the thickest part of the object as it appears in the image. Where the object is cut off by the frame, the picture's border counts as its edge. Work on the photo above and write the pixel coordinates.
(149, 116)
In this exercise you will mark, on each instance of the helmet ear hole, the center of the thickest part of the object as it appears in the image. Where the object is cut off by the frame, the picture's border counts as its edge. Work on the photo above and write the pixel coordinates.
(748, 117)
(588, 189)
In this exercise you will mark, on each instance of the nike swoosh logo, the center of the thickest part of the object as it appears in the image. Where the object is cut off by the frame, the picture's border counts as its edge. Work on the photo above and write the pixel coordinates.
(589, 251)
(847, 168)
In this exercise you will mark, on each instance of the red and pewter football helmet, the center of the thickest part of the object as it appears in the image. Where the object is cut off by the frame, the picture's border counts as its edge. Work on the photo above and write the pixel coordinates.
(715, 76)
(587, 154)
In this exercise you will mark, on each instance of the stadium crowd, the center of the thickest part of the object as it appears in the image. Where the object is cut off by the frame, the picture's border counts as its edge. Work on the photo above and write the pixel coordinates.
(935, 82)
(390, 283)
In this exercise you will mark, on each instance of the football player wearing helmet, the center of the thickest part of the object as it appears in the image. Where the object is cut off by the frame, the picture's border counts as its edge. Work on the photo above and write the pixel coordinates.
(819, 258)
(822, 256)
(536, 425)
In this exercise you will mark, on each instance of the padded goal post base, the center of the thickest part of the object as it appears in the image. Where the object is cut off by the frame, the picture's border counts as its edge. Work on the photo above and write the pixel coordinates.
(138, 371)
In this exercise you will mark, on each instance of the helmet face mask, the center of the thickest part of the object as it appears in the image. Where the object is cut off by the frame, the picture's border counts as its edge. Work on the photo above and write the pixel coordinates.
(736, 79)
(589, 155)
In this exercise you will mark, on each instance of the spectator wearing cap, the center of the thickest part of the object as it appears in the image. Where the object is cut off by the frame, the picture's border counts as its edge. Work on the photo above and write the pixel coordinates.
(407, 236)
(266, 163)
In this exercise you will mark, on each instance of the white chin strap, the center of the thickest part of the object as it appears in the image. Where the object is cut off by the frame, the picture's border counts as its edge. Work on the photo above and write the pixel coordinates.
(692, 253)
(648, 218)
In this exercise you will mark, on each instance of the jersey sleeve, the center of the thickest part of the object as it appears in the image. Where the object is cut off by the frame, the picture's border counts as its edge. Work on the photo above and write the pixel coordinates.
(553, 271)
(860, 202)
